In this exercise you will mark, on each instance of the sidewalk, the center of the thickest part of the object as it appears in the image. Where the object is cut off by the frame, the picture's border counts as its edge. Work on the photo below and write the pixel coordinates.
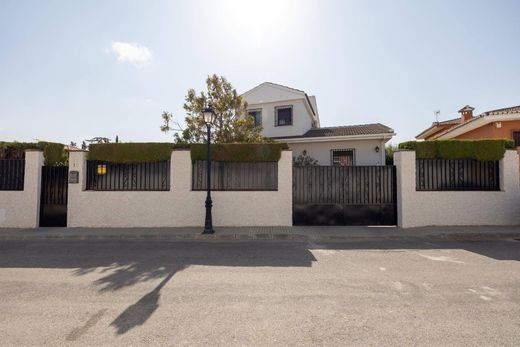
(297, 233)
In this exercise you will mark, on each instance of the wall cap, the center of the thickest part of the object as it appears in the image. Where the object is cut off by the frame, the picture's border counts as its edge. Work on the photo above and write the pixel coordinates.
(34, 150)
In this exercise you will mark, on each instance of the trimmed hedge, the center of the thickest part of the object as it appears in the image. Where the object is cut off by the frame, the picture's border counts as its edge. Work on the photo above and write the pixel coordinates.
(130, 153)
(483, 150)
(239, 152)
(53, 153)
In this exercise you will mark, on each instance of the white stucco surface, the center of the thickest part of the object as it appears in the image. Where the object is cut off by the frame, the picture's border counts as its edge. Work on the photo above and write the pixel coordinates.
(21, 208)
(302, 121)
(443, 208)
(365, 152)
(180, 206)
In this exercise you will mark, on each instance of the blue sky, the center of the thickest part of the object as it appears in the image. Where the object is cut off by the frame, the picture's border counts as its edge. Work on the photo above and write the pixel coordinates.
(71, 70)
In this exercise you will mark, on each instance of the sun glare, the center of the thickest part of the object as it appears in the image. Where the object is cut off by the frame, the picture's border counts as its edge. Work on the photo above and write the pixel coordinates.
(256, 22)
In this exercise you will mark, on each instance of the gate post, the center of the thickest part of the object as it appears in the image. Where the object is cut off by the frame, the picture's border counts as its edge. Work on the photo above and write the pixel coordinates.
(32, 187)
(405, 171)
(77, 162)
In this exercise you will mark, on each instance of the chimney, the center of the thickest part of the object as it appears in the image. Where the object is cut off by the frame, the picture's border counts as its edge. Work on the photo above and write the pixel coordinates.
(466, 113)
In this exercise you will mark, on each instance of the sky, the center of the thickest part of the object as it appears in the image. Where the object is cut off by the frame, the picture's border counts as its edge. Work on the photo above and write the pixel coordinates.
(72, 70)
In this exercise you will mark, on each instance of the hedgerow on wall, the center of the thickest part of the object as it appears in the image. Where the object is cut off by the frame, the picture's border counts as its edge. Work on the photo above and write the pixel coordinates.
(483, 150)
(128, 153)
(239, 152)
(53, 153)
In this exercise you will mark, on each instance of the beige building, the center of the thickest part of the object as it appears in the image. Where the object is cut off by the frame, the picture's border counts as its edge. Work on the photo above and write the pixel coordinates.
(290, 115)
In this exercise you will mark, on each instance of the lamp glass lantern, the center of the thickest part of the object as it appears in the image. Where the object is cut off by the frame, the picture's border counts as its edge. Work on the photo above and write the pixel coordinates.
(209, 116)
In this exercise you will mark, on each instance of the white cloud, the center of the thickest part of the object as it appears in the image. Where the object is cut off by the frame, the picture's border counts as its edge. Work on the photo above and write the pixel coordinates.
(132, 53)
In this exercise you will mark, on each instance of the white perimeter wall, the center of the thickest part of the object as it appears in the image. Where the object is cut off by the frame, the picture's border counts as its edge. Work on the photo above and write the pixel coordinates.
(444, 208)
(21, 208)
(180, 206)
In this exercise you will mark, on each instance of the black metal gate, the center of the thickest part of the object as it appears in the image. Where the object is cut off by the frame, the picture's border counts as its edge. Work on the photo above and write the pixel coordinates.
(53, 198)
(344, 195)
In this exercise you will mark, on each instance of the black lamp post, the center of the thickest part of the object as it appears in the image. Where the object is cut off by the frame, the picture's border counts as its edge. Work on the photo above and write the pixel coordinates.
(209, 118)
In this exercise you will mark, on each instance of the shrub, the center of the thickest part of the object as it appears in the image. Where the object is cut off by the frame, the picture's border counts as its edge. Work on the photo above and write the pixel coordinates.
(53, 153)
(483, 150)
(239, 152)
(127, 153)
(304, 160)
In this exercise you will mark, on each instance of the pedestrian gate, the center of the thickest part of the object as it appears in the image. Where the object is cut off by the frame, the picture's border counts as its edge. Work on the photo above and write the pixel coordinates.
(344, 195)
(53, 198)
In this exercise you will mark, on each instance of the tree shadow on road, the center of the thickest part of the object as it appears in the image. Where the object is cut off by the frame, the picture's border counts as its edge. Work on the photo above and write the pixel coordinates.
(138, 313)
(123, 264)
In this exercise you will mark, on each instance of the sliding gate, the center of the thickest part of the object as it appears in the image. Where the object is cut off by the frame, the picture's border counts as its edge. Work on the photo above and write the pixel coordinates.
(344, 195)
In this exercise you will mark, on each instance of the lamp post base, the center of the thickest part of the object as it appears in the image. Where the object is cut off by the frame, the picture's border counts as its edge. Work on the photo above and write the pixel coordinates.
(208, 224)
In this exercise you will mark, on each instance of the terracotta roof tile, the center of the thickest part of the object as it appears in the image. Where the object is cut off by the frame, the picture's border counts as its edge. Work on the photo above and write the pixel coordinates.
(348, 130)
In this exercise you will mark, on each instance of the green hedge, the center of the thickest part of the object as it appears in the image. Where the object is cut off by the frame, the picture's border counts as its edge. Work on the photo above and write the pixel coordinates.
(483, 150)
(53, 153)
(126, 153)
(239, 152)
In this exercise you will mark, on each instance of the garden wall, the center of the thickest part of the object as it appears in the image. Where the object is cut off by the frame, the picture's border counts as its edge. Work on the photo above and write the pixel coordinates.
(180, 206)
(21, 208)
(443, 208)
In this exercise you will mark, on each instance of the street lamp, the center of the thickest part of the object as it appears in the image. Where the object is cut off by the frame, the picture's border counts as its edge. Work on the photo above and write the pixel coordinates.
(209, 119)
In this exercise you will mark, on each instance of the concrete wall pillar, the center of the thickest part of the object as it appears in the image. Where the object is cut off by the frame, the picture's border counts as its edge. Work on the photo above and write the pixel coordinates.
(21, 208)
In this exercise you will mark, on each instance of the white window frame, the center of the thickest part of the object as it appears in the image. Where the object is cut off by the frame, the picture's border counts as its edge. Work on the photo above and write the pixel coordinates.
(276, 115)
(256, 110)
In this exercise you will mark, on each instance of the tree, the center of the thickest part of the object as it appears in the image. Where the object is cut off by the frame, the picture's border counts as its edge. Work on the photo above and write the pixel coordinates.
(99, 139)
(389, 153)
(304, 160)
(231, 124)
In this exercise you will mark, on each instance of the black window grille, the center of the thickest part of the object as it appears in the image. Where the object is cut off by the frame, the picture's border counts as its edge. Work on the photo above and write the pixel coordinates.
(236, 176)
(107, 176)
(456, 175)
(283, 116)
(342, 157)
(12, 172)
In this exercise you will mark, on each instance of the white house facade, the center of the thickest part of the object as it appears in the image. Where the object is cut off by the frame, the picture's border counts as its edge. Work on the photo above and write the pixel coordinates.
(290, 115)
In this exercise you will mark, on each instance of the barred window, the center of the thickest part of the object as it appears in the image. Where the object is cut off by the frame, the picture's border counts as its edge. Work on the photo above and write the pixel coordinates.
(283, 116)
(342, 157)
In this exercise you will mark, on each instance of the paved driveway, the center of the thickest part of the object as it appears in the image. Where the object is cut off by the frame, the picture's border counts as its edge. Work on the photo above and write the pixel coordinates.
(259, 293)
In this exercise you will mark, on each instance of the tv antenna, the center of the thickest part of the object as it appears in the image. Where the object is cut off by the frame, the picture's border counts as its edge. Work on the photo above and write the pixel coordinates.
(437, 114)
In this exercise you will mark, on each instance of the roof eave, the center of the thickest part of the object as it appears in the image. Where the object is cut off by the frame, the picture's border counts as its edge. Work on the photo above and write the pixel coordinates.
(381, 136)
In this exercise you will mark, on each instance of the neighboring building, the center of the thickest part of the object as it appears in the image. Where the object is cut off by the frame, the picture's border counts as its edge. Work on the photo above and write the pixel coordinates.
(503, 123)
(290, 115)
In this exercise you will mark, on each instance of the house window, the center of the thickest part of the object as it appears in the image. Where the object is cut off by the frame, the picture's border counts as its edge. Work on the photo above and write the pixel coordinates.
(342, 157)
(516, 138)
(283, 116)
(257, 116)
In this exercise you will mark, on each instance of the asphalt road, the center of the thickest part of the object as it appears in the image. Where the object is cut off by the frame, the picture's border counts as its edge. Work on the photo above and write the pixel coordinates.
(259, 293)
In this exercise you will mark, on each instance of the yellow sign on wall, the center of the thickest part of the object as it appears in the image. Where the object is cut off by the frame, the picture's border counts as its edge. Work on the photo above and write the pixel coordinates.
(101, 169)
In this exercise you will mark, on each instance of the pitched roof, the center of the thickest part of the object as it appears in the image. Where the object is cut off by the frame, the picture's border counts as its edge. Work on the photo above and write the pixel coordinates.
(289, 88)
(514, 109)
(348, 130)
(500, 111)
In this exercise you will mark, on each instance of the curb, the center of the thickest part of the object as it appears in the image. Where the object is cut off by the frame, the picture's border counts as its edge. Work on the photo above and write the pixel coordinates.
(266, 237)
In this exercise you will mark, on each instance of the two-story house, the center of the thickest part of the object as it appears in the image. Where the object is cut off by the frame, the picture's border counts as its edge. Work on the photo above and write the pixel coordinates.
(290, 115)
